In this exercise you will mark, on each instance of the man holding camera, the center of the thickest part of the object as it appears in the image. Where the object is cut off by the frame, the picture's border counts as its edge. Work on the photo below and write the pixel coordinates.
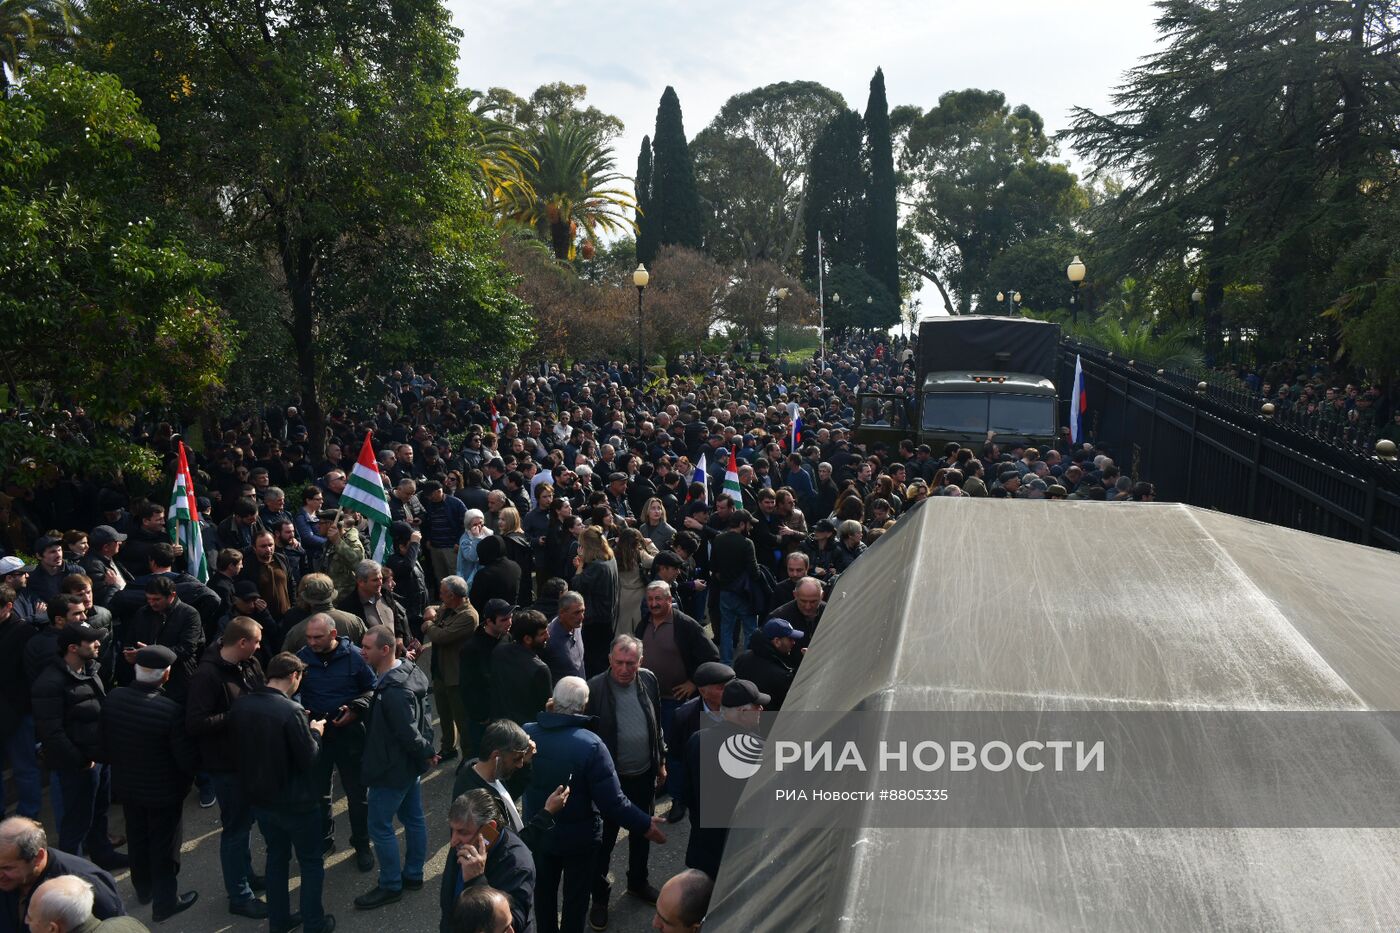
(337, 689)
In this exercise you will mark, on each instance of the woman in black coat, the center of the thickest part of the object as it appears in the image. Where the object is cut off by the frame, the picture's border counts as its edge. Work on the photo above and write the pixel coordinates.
(519, 551)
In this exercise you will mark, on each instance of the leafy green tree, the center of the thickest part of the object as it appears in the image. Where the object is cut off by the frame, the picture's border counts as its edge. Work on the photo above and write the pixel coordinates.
(978, 179)
(675, 205)
(751, 166)
(882, 238)
(576, 190)
(105, 309)
(745, 202)
(836, 206)
(1258, 164)
(326, 141)
(646, 228)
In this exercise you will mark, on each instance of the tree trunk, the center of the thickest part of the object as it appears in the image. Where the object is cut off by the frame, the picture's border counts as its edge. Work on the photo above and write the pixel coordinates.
(299, 271)
(947, 302)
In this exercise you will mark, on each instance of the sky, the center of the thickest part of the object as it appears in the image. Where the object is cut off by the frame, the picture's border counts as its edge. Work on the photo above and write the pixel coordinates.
(1052, 55)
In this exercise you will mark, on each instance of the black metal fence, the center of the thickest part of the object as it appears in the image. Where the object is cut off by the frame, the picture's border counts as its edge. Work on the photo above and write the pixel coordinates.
(1206, 452)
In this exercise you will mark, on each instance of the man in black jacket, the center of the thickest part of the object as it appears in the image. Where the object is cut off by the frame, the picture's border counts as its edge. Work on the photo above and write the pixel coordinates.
(229, 670)
(276, 747)
(699, 711)
(68, 699)
(410, 585)
(626, 705)
(734, 574)
(482, 850)
(770, 661)
(521, 683)
(804, 611)
(108, 576)
(153, 763)
(26, 861)
(474, 660)
(163, 620)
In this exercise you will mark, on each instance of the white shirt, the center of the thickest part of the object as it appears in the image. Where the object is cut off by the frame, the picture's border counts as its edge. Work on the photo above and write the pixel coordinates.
(511, 812)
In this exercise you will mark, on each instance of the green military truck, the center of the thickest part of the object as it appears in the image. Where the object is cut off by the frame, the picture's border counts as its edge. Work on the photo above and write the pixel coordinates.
(975, 375)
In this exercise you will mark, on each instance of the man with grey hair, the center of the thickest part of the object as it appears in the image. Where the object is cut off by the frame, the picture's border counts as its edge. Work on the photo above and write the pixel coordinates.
(564, 650)
(64, 905)
(569, 752)
(26, 861)
(625, 704)
(485, 851)
(369, 602)
(447, 627)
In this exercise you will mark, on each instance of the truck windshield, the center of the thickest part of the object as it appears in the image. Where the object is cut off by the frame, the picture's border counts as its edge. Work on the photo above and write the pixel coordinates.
(1032, 415)
(956, 412)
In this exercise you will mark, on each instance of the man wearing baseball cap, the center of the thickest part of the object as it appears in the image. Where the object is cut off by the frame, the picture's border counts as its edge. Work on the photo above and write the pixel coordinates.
(770, 661)
(108, 577)
(153, 764)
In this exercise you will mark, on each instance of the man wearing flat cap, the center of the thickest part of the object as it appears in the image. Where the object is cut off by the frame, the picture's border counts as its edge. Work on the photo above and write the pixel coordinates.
(699, 712)
(153, 763)
(740, 703)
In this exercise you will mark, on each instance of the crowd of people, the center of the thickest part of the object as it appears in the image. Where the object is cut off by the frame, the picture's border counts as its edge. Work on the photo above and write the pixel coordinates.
(565, 602)
(1332, 406)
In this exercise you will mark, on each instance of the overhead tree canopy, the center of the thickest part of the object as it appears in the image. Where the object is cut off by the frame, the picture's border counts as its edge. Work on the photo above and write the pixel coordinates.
(756, 155)
(106, 311)
(978, 179)
(325, 141)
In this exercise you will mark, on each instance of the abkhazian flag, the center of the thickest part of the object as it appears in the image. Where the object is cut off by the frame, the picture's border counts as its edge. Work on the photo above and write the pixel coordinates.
(703, 478)
(364, 493)
(731, 481)
(1078, 404)
(182, 521)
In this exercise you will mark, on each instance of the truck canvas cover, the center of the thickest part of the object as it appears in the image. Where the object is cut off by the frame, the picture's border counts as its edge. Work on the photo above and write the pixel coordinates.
(971, 344)
(1194, 610)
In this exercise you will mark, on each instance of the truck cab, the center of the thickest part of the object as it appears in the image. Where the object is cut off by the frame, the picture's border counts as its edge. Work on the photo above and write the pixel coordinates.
(978, 376)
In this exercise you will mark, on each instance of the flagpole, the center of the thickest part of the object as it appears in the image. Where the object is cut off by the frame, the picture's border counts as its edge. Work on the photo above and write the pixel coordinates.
(821, 303)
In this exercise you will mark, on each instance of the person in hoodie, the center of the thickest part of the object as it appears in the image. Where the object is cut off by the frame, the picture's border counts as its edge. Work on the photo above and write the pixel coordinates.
(771, 660)
(398, 752)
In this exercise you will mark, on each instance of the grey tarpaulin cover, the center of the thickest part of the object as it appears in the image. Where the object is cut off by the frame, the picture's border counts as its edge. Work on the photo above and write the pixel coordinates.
(1042, 605)
(970, 343)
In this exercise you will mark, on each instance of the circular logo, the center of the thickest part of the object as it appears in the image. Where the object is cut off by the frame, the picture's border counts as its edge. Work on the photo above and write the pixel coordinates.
(741, 755)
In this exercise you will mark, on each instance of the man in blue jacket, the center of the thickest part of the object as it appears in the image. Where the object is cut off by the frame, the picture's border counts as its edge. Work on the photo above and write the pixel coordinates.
(337, 689)
(568, 752)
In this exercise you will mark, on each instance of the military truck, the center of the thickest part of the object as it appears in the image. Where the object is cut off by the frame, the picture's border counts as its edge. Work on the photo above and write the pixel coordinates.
(976, 375)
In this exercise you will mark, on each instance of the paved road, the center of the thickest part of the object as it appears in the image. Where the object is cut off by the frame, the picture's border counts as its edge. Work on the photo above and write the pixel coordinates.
(416, 913)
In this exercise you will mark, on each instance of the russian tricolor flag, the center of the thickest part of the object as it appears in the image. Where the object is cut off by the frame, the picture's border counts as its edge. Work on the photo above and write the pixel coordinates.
(700, 477)
(1078, 404)
(796, 435)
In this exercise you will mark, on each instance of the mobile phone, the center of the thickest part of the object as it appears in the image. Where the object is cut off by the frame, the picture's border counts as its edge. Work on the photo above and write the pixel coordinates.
(490, 834)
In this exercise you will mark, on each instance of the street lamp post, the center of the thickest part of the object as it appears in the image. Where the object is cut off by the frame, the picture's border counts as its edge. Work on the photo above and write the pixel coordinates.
(640, 278)
(780, 295)
(1075, 272)
(1012, 299)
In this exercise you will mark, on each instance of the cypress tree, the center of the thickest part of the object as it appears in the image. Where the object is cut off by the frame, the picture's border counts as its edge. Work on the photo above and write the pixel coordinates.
(675, 203)
(882, 235)
(646, 224)
(836, 205)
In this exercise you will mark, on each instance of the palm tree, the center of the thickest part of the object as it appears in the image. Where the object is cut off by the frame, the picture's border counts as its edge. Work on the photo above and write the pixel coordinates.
(572, 189)
(23, 24)
(499, 161)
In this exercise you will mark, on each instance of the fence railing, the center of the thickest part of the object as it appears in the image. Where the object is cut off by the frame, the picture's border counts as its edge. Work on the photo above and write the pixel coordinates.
(1199, 446)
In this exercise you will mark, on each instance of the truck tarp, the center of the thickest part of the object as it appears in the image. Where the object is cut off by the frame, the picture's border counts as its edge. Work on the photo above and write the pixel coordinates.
(1160, 607)
(971, 343)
